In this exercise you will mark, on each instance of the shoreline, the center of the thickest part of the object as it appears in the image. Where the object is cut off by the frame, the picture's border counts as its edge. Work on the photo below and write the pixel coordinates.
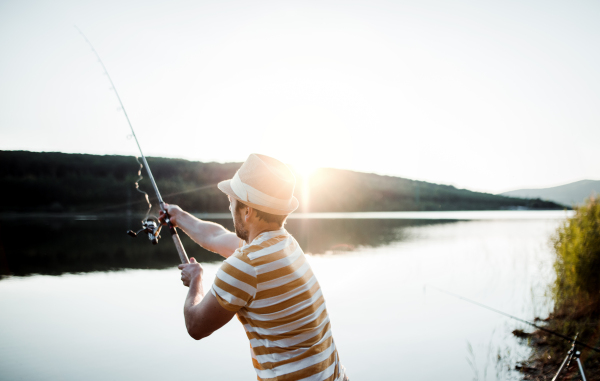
(463, 215)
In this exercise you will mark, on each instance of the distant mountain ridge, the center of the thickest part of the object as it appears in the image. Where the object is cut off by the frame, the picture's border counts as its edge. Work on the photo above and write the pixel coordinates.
(568, 194)
(78, 183)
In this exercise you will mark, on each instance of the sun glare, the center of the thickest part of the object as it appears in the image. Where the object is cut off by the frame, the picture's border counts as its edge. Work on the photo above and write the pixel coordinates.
(305, 169)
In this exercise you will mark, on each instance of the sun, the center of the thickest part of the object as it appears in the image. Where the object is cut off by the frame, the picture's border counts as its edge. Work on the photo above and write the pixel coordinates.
(304, 169)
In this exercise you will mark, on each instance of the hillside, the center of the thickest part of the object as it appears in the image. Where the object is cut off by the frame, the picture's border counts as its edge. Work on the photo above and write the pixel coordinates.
(78, 183)
(568, 194)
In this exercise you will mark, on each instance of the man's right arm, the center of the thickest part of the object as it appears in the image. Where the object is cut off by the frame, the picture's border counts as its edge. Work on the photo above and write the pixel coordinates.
(209, 235)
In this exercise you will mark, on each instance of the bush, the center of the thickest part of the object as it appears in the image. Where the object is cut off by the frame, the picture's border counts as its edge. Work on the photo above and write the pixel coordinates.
(577, 266)
(576, 300)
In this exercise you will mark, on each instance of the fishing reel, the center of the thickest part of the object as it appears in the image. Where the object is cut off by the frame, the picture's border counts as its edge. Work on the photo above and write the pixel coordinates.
(151, 225)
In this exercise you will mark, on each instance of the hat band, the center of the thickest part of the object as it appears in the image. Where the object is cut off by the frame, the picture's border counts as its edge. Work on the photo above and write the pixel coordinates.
(247, 193)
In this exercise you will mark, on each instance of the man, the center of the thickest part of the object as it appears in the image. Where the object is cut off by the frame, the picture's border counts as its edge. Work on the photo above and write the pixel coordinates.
(265, 278)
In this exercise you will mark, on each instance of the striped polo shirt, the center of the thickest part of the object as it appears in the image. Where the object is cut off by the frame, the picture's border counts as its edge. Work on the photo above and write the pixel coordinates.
(270, 284)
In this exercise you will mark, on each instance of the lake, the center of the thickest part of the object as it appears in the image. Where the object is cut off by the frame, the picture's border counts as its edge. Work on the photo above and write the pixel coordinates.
(79, 299)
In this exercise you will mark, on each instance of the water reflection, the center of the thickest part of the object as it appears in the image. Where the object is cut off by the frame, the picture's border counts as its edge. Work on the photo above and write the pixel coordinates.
(319, 236)
(54, 246)
(378, 289)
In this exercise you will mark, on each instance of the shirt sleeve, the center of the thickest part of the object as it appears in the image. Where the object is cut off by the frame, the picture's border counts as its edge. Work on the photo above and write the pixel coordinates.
(235, 283)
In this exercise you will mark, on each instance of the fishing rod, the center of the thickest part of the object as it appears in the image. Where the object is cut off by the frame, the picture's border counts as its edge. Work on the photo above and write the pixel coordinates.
(150, 225)
(569, 339)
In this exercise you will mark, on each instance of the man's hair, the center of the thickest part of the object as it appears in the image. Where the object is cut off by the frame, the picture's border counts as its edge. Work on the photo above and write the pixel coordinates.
(267, 217)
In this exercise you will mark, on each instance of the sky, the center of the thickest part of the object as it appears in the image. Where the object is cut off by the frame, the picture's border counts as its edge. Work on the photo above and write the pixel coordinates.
(490, 96)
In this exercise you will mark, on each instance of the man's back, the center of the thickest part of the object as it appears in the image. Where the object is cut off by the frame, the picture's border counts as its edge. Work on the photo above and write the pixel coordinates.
(279, 301)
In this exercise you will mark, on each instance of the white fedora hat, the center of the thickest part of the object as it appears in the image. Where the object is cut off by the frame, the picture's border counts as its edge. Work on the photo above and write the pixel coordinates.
(263, 183)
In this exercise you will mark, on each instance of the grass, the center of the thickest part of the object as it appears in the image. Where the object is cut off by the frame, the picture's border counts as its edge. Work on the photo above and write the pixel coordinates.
(576, 294)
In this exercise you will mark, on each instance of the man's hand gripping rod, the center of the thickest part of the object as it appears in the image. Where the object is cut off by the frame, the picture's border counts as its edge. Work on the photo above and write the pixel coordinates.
(150, 229)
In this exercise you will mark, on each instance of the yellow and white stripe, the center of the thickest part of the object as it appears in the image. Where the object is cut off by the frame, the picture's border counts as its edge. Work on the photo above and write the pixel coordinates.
(270, 285)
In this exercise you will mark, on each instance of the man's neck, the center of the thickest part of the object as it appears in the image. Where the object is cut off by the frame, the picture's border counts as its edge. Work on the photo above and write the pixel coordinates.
(256, 230)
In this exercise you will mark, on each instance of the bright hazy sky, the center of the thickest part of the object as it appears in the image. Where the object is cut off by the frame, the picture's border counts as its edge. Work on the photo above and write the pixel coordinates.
(483, 95)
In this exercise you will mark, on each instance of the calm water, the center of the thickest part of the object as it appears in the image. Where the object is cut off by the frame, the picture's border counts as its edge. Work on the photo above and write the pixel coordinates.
(85, 301)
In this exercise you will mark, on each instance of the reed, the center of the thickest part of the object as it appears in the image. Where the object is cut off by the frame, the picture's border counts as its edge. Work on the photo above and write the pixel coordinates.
(577, 266)
(576, 296)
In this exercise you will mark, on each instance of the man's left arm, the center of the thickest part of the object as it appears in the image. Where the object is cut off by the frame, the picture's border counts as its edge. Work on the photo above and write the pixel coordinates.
(203, 313)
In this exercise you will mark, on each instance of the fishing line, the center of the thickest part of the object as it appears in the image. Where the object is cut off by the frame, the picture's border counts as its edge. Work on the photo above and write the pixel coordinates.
(116, 206)
(114, 88)
(151, 225)
(515, 318)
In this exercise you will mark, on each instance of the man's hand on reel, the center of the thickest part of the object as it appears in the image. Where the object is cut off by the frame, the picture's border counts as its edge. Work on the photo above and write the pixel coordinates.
(173, 211)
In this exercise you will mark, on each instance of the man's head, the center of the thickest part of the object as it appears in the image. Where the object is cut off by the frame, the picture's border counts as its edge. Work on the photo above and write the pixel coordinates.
(246, 218)
(263, 183)
(261, 195)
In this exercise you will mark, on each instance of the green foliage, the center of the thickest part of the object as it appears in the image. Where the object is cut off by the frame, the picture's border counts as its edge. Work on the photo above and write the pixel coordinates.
(576, 296)
(577, 266)
(58, 182)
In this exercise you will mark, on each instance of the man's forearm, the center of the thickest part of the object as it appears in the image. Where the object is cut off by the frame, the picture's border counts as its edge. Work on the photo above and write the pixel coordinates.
(204, 233)
(195, 294)
(192, 301)
(203, 314)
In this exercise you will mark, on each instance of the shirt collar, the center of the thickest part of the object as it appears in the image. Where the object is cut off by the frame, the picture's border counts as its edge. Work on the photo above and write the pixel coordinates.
(265, 236)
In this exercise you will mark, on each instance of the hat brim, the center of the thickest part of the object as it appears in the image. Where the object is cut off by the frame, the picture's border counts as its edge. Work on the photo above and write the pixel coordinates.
(225, 187)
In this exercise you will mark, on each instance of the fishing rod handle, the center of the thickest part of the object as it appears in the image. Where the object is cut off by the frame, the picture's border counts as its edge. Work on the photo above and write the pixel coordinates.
(180, 250)
(182, 254)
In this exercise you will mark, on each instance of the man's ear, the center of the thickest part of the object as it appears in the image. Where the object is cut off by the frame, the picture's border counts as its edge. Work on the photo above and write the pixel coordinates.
(249, 211)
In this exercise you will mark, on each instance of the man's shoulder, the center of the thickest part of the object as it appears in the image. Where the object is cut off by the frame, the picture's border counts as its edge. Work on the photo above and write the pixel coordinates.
(267, 243)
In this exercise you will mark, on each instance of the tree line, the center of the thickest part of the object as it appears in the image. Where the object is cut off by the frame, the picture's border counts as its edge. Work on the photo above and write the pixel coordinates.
(81, 183)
